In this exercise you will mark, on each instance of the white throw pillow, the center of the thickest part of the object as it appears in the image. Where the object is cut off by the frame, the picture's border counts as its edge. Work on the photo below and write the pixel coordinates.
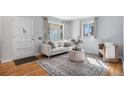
(62, 44)
(56, 44)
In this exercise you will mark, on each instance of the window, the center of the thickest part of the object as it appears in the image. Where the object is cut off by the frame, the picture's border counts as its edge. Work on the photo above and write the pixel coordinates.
(88, 28)
(55, 32)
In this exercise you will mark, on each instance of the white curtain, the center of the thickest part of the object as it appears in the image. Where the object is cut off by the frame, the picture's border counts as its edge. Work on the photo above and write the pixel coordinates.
(45, 29)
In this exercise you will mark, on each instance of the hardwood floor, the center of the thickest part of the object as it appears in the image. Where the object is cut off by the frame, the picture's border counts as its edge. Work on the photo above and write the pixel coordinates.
(115, 69)
(33, 69)
(28, 69)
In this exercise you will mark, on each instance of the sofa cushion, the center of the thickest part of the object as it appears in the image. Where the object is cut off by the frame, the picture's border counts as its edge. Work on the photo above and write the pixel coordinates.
(58, 44)
(64, 49)
(68, 43)
(60, 49)
(53, 44)
(57, 50)
(62, 44)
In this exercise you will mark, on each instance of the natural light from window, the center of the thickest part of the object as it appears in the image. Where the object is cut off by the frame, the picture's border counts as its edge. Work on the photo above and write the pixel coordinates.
(93, 61)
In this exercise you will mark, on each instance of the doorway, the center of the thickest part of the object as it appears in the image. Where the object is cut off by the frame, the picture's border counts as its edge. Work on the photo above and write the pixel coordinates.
(23, 37)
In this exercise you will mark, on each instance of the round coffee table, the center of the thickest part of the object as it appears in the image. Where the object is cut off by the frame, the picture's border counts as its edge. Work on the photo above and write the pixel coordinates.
(76, 55)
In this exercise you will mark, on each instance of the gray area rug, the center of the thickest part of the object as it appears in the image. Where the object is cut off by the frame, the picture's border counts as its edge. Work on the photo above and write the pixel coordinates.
(60, 65)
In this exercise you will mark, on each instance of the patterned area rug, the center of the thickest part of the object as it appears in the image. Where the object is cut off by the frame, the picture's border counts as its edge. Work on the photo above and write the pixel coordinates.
(60, 65)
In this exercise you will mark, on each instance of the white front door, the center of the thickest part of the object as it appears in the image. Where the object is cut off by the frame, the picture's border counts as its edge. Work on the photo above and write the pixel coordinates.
(23, 37)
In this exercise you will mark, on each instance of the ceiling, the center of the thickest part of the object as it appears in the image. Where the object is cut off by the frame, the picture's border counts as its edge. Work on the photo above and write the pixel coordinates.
(70, 18)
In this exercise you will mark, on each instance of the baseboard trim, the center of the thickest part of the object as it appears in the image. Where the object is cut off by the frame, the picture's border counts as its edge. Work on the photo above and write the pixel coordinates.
(8, 60)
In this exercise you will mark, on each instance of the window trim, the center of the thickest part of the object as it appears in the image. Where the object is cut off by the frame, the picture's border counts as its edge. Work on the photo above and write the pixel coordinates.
(57, 23)
(93, 20)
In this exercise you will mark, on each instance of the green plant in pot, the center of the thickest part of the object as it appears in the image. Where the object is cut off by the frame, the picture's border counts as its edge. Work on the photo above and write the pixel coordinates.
(77, 43)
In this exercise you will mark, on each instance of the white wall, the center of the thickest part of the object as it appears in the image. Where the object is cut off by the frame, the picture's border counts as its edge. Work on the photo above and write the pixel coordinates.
(123, 37)
(67, 30)
(0, 37)
(90, 44)
(123, 44)
(38, 33)
(6, 45)
(75, 29)
(72, 29)
(110, 28)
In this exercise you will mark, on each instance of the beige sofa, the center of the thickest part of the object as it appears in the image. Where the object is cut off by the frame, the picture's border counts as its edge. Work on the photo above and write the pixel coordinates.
(60, 47)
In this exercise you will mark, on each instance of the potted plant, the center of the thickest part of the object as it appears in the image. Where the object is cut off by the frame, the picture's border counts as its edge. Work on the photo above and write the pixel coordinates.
(77, 43)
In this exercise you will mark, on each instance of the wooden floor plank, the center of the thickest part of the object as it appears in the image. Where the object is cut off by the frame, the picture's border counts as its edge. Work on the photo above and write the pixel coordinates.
(27, 69)
(115, 69)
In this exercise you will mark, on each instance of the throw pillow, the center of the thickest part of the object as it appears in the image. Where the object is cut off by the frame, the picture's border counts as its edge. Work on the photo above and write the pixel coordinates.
(52, 44)
(68, 43)
(58, 44)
